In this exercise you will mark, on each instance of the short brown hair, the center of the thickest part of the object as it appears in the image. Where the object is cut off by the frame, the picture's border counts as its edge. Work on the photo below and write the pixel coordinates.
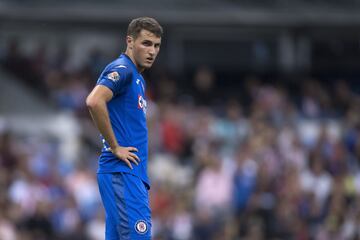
(146, 23)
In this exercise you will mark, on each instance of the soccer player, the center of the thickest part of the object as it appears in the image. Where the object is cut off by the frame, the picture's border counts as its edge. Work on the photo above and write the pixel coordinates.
(117, 105)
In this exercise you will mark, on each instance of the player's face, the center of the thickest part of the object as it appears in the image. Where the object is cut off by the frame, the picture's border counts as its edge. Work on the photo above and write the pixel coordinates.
(145, 48)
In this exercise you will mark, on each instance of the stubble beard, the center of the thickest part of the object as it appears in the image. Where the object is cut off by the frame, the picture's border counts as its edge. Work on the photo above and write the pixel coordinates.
(146, 66)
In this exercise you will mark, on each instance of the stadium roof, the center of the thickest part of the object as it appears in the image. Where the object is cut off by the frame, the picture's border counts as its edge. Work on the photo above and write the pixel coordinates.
(231, 12)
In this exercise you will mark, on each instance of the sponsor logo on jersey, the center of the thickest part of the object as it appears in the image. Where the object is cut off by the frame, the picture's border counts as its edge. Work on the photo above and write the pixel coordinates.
(141, 227)
(142, 104)
(113, 76)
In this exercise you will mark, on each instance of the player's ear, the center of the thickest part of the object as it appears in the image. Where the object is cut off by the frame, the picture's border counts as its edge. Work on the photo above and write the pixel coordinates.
(130, 41)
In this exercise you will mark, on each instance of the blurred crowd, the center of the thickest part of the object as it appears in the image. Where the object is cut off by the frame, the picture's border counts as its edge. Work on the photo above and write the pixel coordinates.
(267, 160)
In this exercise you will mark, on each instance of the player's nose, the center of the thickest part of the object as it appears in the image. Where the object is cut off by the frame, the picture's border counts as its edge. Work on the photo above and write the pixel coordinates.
(152, 51)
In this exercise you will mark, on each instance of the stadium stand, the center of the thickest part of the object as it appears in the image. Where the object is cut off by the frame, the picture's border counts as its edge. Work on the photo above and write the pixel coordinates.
(266, 147)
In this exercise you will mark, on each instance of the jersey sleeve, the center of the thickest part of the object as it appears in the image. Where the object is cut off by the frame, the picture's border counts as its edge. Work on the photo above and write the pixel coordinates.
(116, 79)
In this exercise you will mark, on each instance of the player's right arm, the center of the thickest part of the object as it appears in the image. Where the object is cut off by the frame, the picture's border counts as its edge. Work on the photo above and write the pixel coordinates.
(97, 105)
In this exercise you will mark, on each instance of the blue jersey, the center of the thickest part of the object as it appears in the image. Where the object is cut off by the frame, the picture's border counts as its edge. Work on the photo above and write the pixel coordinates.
(127, 112)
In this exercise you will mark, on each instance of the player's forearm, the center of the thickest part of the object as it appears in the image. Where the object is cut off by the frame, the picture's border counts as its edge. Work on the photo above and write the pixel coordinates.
(101, 119)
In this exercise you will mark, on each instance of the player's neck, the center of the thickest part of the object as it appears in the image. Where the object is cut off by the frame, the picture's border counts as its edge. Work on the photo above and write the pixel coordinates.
(131, 56)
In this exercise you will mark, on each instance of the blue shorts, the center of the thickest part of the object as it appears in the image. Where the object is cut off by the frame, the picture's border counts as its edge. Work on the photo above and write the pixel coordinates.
(126, 203)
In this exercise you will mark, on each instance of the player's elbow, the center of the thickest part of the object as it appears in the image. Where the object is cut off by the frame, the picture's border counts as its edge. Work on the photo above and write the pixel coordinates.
(91, 102)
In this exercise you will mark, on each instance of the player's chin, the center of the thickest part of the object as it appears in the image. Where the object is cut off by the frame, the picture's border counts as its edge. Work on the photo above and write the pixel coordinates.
(147, 65)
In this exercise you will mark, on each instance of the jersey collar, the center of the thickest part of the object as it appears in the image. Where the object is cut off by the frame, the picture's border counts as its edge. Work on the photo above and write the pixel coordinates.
(130, 61)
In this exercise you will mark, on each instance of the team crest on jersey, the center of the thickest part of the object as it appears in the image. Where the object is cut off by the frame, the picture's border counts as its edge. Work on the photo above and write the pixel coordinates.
(142, 104)
(113, 76)
(141, 227)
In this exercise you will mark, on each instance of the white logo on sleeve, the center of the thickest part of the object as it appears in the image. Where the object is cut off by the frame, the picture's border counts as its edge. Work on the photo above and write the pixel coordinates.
(141, 227)
(121, 66)
(113, 76)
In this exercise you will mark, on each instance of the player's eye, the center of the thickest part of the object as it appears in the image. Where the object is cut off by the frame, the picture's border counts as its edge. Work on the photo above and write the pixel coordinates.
(147, 43)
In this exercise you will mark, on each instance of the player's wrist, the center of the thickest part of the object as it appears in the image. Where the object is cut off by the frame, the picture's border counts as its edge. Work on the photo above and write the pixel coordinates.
(113, 147)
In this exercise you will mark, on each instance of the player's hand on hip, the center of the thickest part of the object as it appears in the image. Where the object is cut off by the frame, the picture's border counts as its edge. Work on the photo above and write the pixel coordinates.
(127, 155)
